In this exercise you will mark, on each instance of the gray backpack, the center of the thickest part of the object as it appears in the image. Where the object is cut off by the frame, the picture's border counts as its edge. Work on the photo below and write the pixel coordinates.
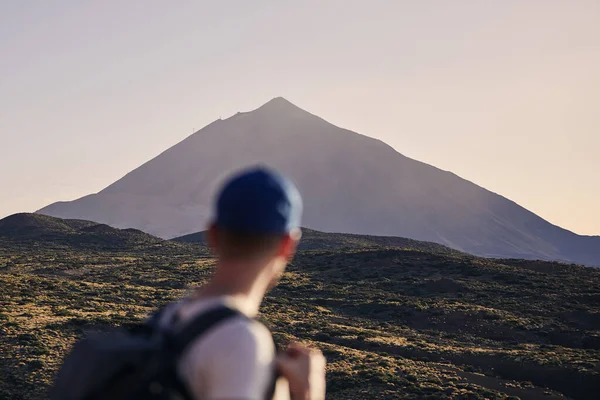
(132, 365)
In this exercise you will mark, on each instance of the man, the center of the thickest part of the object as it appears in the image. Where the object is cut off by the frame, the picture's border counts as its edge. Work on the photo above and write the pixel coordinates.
(253, 235)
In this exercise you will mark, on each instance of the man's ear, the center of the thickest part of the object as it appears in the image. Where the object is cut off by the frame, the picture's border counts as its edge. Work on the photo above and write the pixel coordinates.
(289, 244)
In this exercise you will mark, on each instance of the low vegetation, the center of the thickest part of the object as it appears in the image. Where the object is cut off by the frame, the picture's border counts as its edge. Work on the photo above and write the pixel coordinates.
(395, 322)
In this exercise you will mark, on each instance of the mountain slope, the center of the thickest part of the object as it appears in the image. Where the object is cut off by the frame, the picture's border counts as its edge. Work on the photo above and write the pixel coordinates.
(41, 230)
(350, 182)
(393, 323)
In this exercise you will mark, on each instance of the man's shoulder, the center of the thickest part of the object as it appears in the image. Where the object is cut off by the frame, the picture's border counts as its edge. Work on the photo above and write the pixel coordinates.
(235, 359)
(238, 334)
(236, 342)
(240, 331)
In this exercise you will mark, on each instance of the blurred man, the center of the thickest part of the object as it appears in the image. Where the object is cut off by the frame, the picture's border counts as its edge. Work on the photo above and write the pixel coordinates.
(254, 234)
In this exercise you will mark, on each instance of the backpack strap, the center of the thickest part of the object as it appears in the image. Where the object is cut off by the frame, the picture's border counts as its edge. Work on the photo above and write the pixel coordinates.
(181, 339)
(177, 341)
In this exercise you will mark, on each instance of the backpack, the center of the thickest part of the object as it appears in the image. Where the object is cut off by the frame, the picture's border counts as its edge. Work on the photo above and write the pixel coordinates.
(131, 365)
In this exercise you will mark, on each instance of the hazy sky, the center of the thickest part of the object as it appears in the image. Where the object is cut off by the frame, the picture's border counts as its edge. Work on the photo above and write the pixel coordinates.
(503, 93)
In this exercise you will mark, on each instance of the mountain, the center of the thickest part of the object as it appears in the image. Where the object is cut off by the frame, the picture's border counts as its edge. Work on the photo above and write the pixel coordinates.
(350, 183)
(316, 240)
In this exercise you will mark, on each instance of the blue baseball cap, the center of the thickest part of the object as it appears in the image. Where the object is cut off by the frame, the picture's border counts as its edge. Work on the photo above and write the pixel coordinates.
(259, 200)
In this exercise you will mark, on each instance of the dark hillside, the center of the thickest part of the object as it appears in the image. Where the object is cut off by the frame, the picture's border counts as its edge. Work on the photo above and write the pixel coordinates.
(394, 323)
(42, 230)
(315, 240)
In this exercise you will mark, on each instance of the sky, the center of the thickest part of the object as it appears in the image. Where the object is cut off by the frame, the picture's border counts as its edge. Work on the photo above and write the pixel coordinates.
(504, 93)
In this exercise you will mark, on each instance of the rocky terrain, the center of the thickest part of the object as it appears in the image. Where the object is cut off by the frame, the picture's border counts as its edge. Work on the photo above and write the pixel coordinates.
(396, 319)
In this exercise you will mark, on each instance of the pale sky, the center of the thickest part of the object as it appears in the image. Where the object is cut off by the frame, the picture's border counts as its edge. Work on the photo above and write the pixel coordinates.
(505, 93)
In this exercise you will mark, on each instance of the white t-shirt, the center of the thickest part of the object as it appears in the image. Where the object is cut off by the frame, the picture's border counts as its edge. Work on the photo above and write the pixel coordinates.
(233, 360)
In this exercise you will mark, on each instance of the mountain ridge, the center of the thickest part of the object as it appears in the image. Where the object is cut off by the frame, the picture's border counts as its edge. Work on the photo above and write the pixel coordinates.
(36, 229)
(316, 240)
(351, 183)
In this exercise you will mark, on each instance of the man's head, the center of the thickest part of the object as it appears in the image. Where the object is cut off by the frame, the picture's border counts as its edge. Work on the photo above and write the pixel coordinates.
(257, 220)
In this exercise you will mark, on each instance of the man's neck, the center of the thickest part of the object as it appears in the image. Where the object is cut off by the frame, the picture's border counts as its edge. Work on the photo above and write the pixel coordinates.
(246, 282)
